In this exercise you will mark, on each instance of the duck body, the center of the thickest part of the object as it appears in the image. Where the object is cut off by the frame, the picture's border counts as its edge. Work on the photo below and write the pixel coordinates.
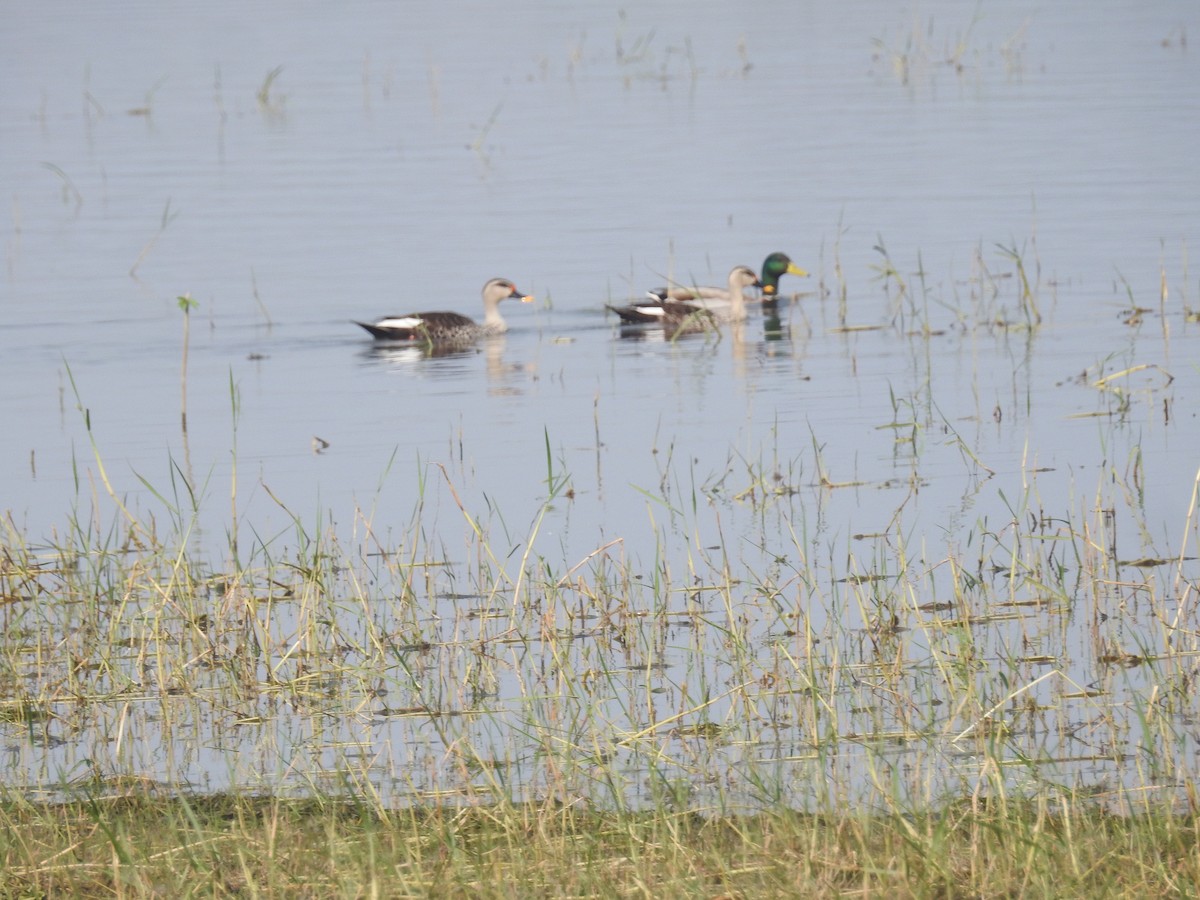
(669, 312)
(775, 266)
(448, 327)
(421, 326)
(694, 312)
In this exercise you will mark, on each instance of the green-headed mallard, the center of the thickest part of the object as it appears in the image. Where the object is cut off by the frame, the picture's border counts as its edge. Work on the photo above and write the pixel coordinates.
(774, 267)
(729, 307)
(449, 327)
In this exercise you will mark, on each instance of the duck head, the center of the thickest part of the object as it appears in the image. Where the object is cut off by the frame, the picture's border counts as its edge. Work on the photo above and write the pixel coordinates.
(774, 267)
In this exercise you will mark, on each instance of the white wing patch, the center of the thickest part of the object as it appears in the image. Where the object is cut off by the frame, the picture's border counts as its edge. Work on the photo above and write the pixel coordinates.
(400, 322)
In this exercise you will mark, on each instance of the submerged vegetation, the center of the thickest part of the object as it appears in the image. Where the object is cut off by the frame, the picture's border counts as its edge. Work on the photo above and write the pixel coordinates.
(451, 707)
(452, 710)
(753, 701)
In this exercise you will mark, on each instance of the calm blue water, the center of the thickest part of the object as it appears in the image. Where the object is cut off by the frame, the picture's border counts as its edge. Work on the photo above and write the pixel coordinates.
(401, 156)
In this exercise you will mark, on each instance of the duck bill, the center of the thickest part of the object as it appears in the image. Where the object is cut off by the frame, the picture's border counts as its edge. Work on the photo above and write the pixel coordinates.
(794, 269)
(517, 295)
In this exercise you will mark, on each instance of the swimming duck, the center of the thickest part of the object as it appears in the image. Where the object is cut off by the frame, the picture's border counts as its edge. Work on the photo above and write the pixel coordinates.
(774, 266)
(700, 311)
(449, 327)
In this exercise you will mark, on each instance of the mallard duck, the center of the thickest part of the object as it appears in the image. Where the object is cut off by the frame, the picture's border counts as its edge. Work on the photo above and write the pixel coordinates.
(449, 327)
(729, 307)
(774, 267)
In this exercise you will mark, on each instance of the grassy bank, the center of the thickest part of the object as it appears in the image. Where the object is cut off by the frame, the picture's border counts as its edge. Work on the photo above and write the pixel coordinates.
(227, 845)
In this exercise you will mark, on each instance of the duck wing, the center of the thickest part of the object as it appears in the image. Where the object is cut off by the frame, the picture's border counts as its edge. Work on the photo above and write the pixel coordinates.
(684, 292)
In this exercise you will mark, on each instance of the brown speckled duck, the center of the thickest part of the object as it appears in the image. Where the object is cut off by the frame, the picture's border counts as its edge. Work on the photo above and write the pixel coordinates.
(774, 267)
(730, 306)
(449, 327)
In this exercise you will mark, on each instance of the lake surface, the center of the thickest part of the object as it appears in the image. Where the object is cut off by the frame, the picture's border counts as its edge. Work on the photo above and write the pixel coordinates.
(996, 348)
